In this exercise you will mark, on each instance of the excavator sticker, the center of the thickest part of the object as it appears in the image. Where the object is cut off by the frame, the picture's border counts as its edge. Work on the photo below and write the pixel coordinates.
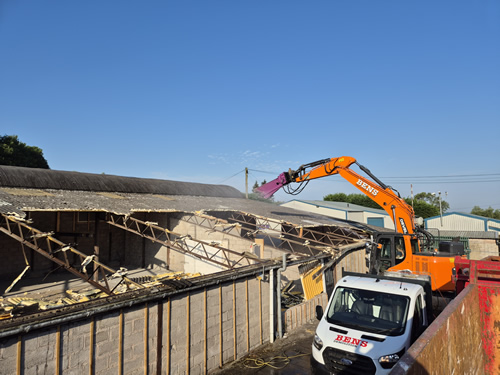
(403, 225)
(367, 187)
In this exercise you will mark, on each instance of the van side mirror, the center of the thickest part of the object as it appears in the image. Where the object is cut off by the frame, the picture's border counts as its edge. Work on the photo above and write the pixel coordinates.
(319, 312)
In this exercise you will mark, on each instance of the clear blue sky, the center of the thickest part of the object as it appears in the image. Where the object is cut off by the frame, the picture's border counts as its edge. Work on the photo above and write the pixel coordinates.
(198, 90)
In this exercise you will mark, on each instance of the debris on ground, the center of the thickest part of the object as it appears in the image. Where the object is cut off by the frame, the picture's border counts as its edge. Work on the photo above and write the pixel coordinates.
(30, 303)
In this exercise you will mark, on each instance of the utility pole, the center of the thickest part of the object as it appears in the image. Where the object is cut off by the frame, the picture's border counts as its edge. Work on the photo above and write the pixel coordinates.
(440, 208)
(412, 203)
(246, 182)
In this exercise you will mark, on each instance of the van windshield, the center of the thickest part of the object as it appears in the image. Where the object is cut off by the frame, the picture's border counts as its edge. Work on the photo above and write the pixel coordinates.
(369, 311)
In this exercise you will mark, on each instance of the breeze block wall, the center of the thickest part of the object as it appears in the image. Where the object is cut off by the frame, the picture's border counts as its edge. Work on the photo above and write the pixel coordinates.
(192, 331)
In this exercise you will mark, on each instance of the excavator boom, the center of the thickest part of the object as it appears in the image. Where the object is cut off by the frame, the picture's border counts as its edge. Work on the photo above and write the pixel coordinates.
(401, 213)
(386, 254)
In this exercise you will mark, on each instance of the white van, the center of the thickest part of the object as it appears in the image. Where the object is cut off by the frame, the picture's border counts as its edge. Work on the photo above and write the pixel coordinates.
(370, 322)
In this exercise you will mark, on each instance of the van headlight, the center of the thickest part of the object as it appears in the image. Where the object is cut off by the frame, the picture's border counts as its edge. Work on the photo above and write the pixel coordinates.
(317, 342)
(388, 361)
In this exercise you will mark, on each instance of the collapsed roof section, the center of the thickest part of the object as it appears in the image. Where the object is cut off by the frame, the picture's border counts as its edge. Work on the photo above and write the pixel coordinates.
(119, 202)
(30, 189)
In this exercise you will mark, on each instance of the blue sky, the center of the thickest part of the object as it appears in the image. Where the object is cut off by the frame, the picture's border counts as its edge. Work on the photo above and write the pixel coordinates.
(200, 90)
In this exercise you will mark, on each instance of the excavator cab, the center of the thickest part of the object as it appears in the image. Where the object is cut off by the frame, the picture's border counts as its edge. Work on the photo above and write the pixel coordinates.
(391, 250)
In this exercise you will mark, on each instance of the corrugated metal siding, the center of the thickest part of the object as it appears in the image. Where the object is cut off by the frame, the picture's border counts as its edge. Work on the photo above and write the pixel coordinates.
(456, 222)
(344, 214)
(357, 216)
(339, 214)
(493, 225)
(463, 233)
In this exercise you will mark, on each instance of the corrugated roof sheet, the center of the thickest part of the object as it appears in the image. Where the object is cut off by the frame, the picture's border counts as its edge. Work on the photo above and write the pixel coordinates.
(36, 178)
(463, 233)
(29, 189)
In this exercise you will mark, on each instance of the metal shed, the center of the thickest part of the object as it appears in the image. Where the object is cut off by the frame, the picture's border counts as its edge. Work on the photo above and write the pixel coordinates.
(462, 222)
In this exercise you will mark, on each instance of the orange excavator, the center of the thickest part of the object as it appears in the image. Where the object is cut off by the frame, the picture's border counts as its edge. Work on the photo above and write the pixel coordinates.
(403, 249)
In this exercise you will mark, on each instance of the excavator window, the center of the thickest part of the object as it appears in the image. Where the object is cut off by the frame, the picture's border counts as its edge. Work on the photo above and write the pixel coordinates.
(391, 251)
(400, 249)
(415, 248)
(384, 255)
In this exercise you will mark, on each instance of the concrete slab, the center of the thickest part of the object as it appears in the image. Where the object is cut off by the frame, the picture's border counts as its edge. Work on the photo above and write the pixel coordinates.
(287, 356)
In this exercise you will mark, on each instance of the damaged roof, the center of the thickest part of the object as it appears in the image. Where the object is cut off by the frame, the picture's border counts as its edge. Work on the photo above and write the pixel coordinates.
(32, 189)
(37, 178)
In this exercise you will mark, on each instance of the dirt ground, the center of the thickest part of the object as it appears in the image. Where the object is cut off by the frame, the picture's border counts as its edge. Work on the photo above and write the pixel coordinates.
(287, 356)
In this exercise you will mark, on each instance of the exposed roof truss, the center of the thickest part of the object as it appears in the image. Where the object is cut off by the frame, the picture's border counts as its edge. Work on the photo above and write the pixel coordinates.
(183, 243)
(91, 270)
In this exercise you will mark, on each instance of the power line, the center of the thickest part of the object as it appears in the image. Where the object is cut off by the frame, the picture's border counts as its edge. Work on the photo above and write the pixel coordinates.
(451, 175)
(450, 179)
(256, 170)
(439, 181)
(242, 171)
(416, 180)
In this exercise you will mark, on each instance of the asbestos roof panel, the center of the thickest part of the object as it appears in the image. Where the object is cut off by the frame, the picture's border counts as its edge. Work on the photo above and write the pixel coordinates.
(127, 203)
(36, 178)
(31, 189)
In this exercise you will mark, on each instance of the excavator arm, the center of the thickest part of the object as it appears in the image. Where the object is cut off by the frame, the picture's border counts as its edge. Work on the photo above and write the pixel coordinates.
(401, 213)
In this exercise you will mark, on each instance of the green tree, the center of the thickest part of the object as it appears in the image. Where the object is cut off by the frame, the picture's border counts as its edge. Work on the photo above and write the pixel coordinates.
(359, 199)
(257, 196)
(16, 153)
(488, 212)
(424, 204)
(433, 200)
(422, 208)
(338, 197)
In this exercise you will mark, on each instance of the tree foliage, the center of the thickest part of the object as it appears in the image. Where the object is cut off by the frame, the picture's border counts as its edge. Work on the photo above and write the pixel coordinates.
(257, 196)
(16, 153)
(433, 200)
(422, 208)
(487, 212)
(359, 199)
(424, 204)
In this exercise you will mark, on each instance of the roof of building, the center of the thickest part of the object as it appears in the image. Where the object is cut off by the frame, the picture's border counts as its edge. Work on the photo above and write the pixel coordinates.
(340, 206)
(463, 233)
(477, 217)
(31, 189)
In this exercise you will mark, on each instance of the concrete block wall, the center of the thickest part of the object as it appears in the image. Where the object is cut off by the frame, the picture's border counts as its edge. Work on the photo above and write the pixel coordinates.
(182, 262)
(141, 252)
(69, 228)
(191, 332)
(483, 248)
(13, 262)
(298, 315)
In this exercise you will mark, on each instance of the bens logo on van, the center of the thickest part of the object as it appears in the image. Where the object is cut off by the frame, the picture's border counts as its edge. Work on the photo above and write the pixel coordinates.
(346, 340)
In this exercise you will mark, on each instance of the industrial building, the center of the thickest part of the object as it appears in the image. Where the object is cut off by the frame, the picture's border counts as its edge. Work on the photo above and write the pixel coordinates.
(109, 274)
(344, 211)
(480, 235)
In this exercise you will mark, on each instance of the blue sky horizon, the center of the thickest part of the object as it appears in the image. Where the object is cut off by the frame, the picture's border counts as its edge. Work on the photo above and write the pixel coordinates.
(198, 91)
